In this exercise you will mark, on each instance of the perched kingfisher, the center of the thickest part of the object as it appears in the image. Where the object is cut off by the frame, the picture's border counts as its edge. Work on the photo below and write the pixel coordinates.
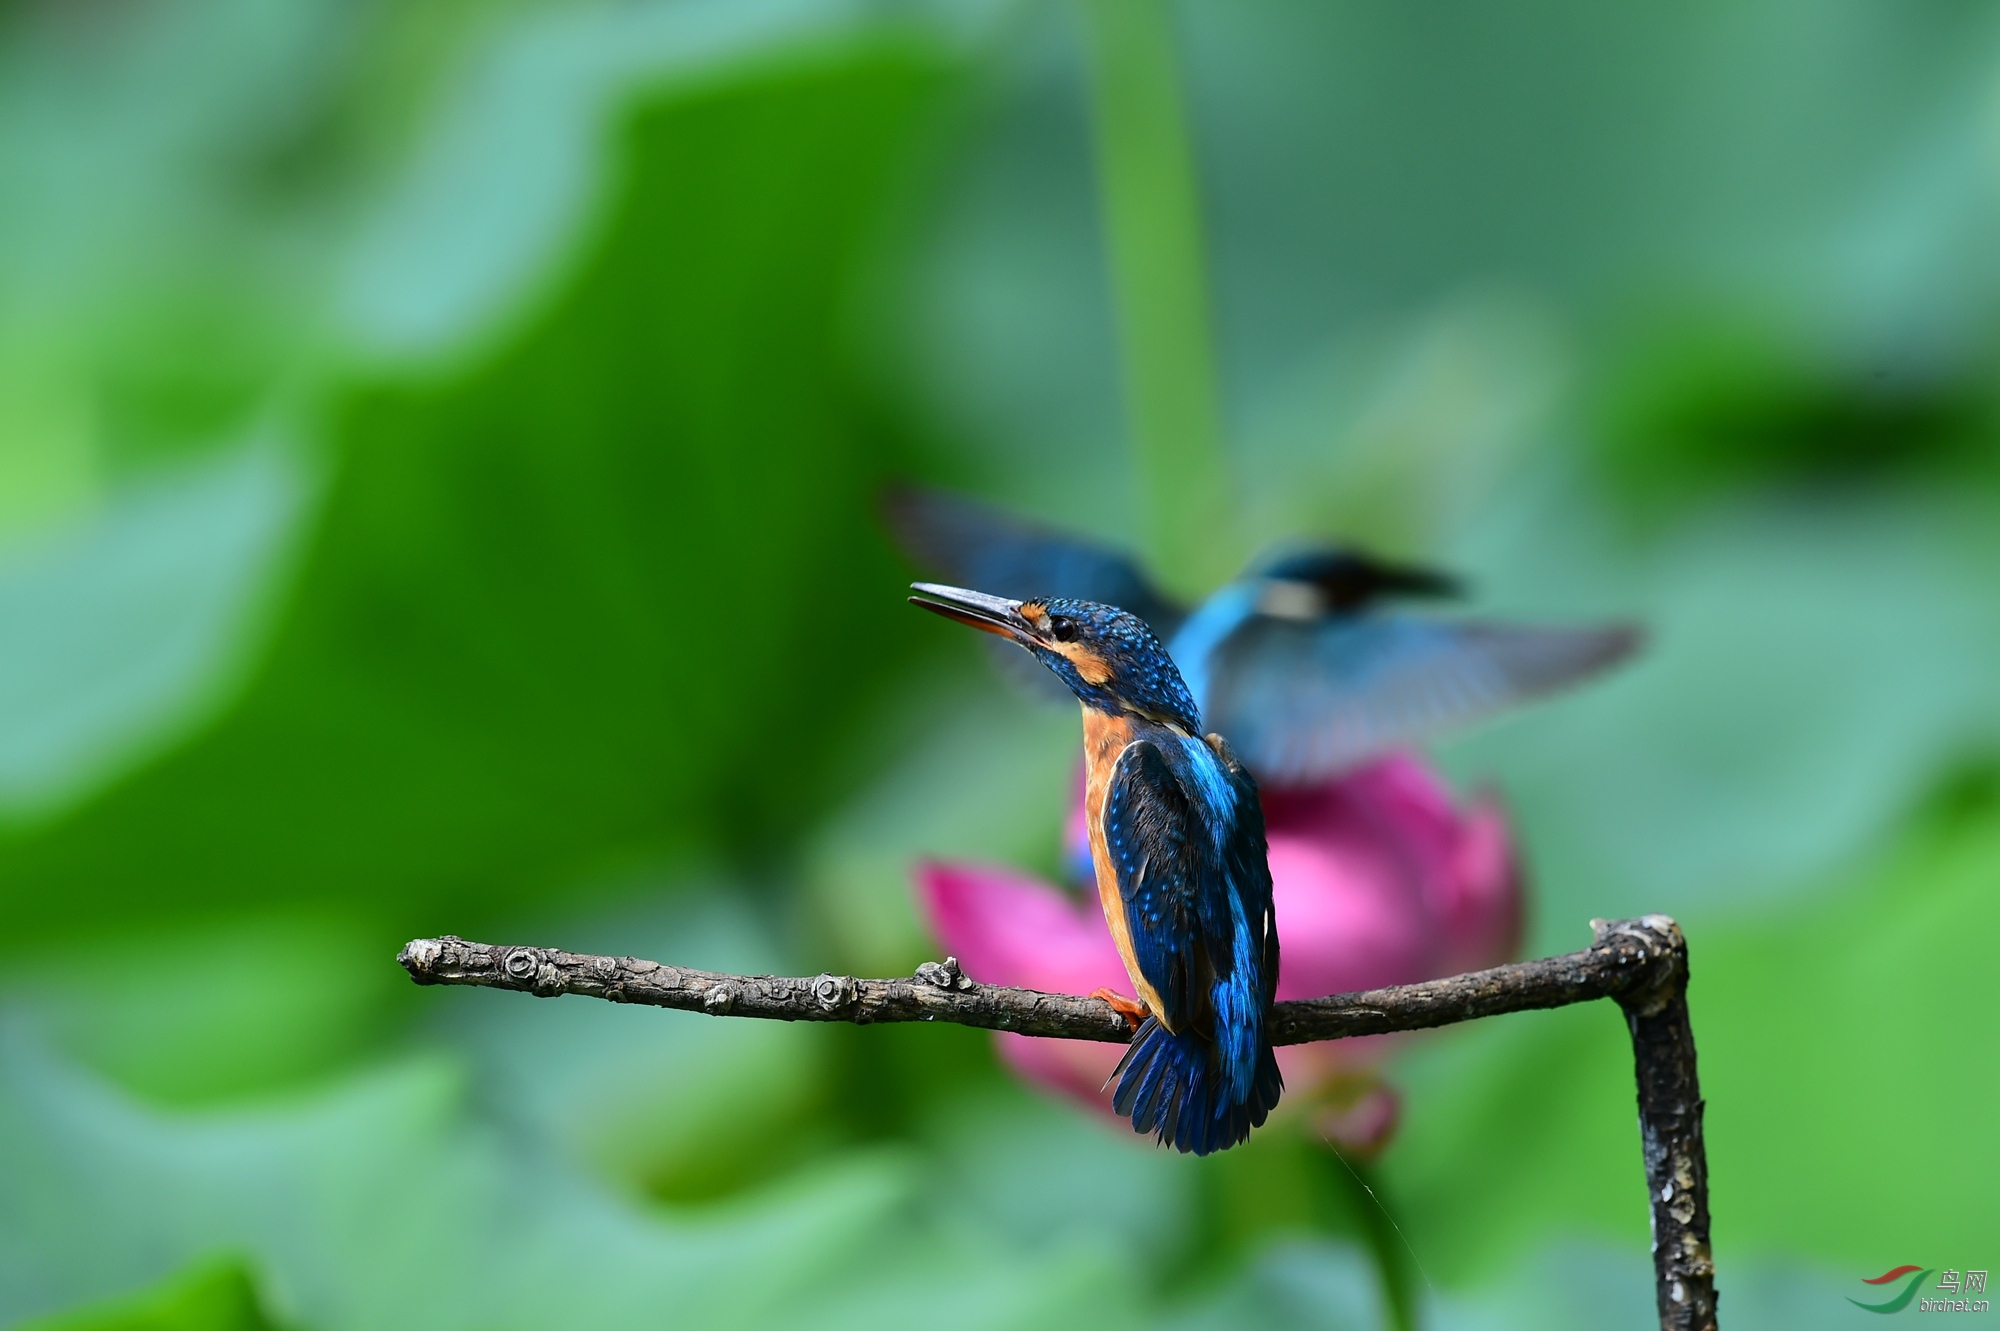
(1177, 842)
(1304, 661)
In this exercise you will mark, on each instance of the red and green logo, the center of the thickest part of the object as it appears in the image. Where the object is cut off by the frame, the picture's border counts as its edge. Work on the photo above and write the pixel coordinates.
(1912, 1278)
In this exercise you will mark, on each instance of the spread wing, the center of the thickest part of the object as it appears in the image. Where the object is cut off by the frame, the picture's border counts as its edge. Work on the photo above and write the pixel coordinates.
(1163, 878)
(973, 545)
(1302, 700)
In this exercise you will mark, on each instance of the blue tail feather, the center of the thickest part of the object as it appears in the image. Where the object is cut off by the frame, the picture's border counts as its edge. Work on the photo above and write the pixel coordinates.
(1138, 1096)
(1174, 1087)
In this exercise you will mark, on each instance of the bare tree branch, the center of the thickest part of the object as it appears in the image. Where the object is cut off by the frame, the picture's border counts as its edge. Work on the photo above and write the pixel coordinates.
(1623, 960)
(1642, 964)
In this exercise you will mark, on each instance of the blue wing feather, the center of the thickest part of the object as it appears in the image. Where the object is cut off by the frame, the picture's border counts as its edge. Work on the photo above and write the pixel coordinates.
(1147, 818)
(1305, 699)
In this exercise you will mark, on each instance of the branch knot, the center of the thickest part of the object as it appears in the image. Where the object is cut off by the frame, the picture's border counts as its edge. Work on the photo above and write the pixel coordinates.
(833, 992)
(943, 974)
(1660, 956)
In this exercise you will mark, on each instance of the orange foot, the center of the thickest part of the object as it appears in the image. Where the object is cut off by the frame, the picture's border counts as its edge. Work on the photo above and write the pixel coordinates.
(1132, 1011)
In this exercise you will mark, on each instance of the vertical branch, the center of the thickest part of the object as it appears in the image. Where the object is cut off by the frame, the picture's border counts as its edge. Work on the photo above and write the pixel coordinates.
(1670, 1109)
(1150, 199)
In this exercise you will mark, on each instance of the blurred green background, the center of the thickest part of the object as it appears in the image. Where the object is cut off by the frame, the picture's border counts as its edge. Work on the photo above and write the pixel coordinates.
(437, 452)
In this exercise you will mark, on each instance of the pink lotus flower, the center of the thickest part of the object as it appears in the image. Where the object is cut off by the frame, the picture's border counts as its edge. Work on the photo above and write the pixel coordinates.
(1379, 879)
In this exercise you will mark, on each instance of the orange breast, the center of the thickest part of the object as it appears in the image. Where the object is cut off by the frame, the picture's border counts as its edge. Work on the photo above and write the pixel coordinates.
(1104, 739)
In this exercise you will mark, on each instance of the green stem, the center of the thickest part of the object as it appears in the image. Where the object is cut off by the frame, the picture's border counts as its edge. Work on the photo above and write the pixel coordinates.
(1152, 224)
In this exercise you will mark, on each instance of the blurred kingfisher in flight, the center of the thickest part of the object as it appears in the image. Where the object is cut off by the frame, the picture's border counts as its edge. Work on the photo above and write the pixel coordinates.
(1177, 842)
(1304, 661)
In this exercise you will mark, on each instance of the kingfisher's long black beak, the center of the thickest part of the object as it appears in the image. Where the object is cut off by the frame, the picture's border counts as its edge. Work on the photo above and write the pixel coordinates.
(990, 614)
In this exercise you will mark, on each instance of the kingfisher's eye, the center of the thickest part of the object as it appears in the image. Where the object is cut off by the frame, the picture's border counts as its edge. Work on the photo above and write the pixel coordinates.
(1062, 628)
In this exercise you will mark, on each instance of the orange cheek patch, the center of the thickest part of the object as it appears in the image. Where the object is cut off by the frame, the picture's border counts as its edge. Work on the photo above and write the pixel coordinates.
(1089, 665)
